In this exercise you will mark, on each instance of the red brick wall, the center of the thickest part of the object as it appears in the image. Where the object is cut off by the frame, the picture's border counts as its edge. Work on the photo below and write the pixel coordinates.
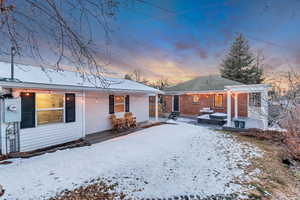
(167, 99)
(187, 107)
(243, 105)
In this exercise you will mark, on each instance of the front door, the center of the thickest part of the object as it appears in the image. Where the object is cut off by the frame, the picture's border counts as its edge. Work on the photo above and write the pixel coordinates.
(176, 103)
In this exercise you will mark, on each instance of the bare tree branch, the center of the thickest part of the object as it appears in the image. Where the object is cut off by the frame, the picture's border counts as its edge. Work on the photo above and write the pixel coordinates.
(62, 31)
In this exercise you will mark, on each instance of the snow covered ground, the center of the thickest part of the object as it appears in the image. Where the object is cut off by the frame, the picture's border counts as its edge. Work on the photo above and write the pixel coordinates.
(161, 161)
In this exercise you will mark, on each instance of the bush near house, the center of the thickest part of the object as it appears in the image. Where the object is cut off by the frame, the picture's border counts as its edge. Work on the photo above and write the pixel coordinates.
(290, 120)
(291, 141)
(293, 144)
(275, 136)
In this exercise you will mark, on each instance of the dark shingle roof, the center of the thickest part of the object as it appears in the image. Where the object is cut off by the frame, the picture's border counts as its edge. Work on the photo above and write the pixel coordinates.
(204, 83)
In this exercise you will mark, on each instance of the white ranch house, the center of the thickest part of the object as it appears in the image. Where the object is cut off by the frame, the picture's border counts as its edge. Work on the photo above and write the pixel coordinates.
(59, 107)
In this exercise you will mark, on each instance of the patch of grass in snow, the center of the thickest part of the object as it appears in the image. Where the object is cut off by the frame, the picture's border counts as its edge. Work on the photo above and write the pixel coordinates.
(95, 190)
(274, 180)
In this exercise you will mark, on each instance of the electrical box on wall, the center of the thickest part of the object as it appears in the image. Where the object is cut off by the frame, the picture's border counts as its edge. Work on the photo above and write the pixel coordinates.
(12, 110)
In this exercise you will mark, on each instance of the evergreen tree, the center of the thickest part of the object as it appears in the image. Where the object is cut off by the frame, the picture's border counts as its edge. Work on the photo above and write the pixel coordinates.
(128, 77)
(240, 64)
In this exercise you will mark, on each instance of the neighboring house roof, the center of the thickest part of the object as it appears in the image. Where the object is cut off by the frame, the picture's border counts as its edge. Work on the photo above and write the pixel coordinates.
(35, 77)
(203, 83)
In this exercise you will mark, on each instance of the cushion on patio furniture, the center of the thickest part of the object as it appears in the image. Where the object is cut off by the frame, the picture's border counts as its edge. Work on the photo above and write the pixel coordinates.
(220, 116)
(206, 111)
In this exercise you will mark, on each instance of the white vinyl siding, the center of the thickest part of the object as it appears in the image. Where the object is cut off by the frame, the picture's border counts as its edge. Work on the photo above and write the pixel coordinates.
(97, 106)
(53, 134)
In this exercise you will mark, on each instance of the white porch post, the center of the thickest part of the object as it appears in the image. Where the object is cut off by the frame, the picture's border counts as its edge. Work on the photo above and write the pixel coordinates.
(228, 107)
(264, 108)
(156, 107)
(236, 110)
(3, 134)
(83, 101)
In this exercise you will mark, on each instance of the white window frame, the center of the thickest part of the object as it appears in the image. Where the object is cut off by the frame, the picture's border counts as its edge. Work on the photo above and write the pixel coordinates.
(254, 101)
(49, 109)
(124, 103)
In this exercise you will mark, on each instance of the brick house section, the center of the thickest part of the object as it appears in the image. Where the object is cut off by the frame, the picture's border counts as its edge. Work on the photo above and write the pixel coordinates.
(167, 100)
(188, 107)
(243, 105)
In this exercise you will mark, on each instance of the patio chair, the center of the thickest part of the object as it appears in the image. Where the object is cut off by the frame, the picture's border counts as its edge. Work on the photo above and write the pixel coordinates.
(117, 123)
(130, 120)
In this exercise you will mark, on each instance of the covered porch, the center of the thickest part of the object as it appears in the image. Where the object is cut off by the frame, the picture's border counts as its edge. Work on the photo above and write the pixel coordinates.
(257, 106)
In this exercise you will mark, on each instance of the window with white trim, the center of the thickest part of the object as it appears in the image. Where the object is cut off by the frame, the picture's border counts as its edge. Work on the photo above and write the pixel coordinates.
(49, 108)
(255, 99)
(119, 104)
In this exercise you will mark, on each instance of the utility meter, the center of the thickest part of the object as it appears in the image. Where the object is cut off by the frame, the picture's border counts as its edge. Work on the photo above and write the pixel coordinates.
(12, 110)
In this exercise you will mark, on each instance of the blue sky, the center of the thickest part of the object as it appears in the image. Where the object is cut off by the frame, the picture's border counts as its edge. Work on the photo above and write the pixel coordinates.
(181, 39)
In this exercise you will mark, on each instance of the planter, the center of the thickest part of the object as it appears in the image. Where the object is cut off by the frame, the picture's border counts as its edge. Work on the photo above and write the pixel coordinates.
(239, 124)
(242, 124)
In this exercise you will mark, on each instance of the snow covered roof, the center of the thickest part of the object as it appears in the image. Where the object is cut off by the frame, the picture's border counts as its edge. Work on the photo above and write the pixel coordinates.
(35, 77)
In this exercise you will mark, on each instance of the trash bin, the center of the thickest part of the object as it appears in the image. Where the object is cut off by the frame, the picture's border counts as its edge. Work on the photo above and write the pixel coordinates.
(239, 124)
(236, 124)
(242, 124)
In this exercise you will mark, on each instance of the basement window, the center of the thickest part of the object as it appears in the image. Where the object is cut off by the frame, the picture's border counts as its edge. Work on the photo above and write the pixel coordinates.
(49, 108)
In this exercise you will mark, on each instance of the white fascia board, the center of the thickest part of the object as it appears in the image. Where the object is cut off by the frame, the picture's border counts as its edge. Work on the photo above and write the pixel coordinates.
(248, 88)
(24, 85)
(193, 92)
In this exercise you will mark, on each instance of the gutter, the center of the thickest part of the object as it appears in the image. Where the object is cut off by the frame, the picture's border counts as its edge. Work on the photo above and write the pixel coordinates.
(72, 87)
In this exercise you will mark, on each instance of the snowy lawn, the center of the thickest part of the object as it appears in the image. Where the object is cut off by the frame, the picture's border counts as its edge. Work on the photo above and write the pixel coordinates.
(161, 161)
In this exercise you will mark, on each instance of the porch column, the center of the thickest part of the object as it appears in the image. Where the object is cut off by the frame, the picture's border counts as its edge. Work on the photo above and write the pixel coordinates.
(236, 110)
(156, 107)
(83, 100)
(228, 108)
(3, 134)
(264, 108)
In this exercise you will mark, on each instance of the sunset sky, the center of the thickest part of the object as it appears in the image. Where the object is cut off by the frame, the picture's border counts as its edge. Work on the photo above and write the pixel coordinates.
(178, 39)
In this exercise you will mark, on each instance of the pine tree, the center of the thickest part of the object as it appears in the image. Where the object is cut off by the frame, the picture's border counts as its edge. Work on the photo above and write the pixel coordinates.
(240, 64)
(128, 77)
